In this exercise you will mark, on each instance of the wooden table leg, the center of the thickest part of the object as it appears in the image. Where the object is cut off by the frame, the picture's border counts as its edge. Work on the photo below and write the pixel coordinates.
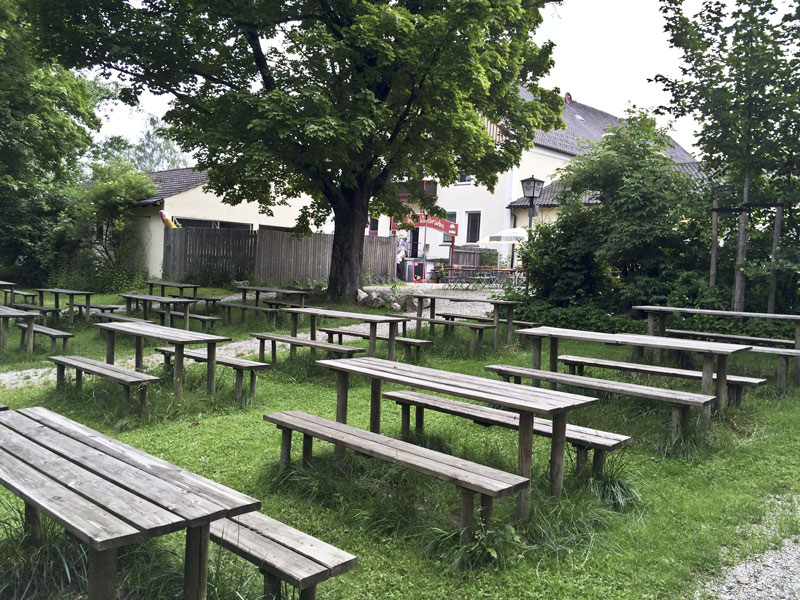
(312, 324)
(211, 368)
(432, 315)
(375, 404)
(177, 373)
(557, 453)
(195, 568)
(110, 346)
(707, 385)
(32, 526)
(102, 574)
(554, 360)
(293, 333)
(466, 520)
(57, 314)
(342, 381)
(29, 334)
(662, 331)
(536, 363)
(524, 462)
(797, 347)
(420, 302)
(509, 323)
(373, 336)
(150, 288)
(71, 306)
(128, 306)
(139, 360)
(392, 338)
(88, 308)
(41, 297)
(722, 382)
(186, 316)
(651, 330)
(496, 325)
(4, 334)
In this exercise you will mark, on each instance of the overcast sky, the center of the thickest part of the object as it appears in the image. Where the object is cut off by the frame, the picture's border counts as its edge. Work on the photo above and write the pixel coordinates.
(605, 52)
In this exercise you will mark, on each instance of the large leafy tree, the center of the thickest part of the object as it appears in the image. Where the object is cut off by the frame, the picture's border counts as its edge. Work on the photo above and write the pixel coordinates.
(46, 117)
(333, 99)
(735, 65)
(151, 152)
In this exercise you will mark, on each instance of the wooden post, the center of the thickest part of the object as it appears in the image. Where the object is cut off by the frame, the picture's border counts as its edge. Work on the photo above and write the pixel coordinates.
(536, 363)
(32, 525)
(509, 323)
(78, 380)
(675, 428)
(707, 385)
(375, 404)
(496, 325)
(342, 380)
(557, 453)
(662, 331)
(466, 517)
(432, 314)
(110, 346)
(524, 462)
(272, 586)
(554, 360)
(373, 335)
(293, 333)
(419, 420)
(308, 448)
(797, 347)
(237, 387)
(177, 374)
(721, 383)
(598, 460)
(3, 334)
(102, 574)
(29, 339)
(139, 359)
(186, 315)
(392, 338)
(420, 302)
(195, 573)
(651, 330)
(253, 380)
(783, 368)
(60, 378)
(143, 399)
(211, 369)
(286, 447)
(309, 593)
(405, 421)
(487, 509)
(581, 461)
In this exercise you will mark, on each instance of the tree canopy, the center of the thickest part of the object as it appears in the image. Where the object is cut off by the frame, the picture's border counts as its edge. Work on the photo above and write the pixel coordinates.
(336, 101)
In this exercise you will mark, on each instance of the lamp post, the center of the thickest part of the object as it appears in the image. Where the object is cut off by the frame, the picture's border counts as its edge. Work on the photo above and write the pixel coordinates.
(531, 189)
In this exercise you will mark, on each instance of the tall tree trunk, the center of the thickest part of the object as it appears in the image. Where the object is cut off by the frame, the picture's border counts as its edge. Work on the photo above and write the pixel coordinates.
(773, 276)
(350, 216)
(712, 271)
(741, 247)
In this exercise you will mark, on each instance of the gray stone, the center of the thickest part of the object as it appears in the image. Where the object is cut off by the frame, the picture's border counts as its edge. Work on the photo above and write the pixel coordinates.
(395, 306)
(361, 295)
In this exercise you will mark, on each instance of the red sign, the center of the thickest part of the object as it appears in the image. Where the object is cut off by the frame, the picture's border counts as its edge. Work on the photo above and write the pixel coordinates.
(423, 220)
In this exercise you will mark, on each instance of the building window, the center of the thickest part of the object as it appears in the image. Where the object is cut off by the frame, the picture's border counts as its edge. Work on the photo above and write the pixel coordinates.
(451, 216)
(208, 224)
(473, 227)
(463, 177)
(373, 226)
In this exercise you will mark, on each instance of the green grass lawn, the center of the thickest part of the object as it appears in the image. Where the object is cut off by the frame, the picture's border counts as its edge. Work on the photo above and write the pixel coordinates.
(664, 518)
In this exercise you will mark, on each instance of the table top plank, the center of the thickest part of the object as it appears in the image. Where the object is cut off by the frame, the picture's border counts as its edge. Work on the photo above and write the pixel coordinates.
(6, 312)
(496, 301)
(66, 292)
(134, 510)
(77, 515)
(168, 334)
(191, 507)
(268, 290)
(340, 314)
(174, 284)
(153, 298)
(234, 501)
(717, 313)
(632, 339)
(512, 396)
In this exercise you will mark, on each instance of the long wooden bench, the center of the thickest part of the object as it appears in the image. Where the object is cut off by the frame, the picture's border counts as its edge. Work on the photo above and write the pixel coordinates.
(281, 553)
(275, 338)
(229, 306)
(406, 342)
(239, 365)
(101, 308)
(53, 334)
(736, 383)
(210, 303)
(583, 438)
(727, 337)
(204, 320)
(484, 319)
(29, 297)
(125, 377)
(783, 354)
(679, 401)
(475, 329)
(108, 317)
(45, 311)
(470, 478)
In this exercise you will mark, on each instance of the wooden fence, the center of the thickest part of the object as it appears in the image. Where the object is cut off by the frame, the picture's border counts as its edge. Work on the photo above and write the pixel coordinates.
(267, 256)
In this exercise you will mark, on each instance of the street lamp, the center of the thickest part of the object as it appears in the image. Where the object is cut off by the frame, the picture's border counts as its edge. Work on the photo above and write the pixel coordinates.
(531, 188)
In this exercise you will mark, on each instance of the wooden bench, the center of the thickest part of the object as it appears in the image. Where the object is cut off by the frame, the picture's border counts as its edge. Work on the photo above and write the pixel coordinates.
(210, 303)
(275, 338)
(727, 337)
(736, 383)
(53, 334)
(679, 401)
(125, 377)
(3, 407)
(281, 553)
(204, 320)
(109, 317)
(101, 308)
(476, 329)
(783, 354)
(470, 478)
(229, 306)
(583, 438)
(484, 319)
(29, 297)
(239, 365)
(406, 342)
(45, 311)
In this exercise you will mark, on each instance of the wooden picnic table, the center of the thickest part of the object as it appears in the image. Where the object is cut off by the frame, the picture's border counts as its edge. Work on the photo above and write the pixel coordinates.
(709, 350)
(168, 284)
(177, 337)
(661, 312)
(57, 292)
(279, 292)
(6, 314)
(108, 494)
(524, 400)
(7, 286)
(166, 302)
(373, 321)
(496, 305)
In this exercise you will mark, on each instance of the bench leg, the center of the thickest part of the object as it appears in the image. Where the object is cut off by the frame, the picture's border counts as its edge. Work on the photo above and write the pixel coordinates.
(310, 593)
(195, 567)
(487, 509)
(253, 379)
(64, 346)
(734, 394)
(308, 448)
(471, 340)
(466, 517)
(275, 352)
(536, 361)
(407, 353)
(143, 399)
(60, 378)
(22, 337)
(571, 369)
(272, 587)
(177, 375)
(78, 380)
(556, 454)
(32, 526)
(598, 460)
(52, 345)
(553, 360)
(581, 462)
(419, 420)
(102, 574)
(375, 405)
(237, 388)
(405, 421)
(286, 447)
(783, 367)
(722, 377)
(126, 398)
(676, 423)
